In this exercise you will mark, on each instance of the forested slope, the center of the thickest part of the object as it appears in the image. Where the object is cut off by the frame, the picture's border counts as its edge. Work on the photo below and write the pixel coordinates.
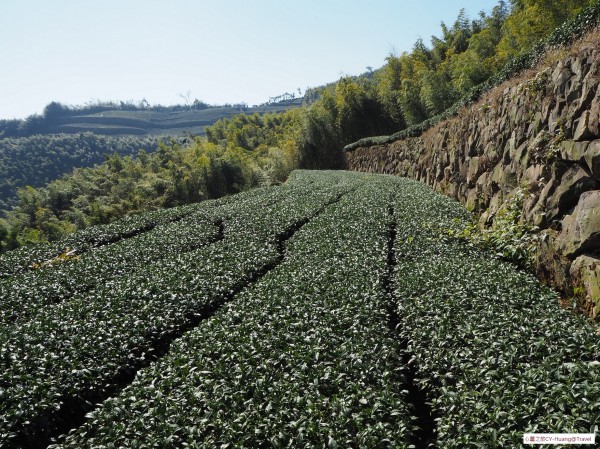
(524, 156)
(37, 160)
(241, 153)
(250, 150)
(336, 310)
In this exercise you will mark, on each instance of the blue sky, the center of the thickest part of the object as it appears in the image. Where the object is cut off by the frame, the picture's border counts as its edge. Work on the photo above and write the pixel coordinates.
(219, 51)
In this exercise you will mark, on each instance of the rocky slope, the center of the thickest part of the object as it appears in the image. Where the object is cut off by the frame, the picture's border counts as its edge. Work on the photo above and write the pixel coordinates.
(538, 135)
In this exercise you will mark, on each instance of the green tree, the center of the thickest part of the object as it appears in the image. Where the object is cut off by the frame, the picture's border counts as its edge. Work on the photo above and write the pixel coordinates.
(388, 85)
(532, 20)
(4, 229)
(53, 112)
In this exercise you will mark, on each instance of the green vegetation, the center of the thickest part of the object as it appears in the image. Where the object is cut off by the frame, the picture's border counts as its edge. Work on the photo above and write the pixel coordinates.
(25, 258)
(508, 236)
(491, 346)
(345, 112)
(269, 138)
(142, 308)
(413, 90)
(308, 314)
(38, 160)
(302, 358)
(329, 310)
(431, 85)
(234, 158)
(41, 149)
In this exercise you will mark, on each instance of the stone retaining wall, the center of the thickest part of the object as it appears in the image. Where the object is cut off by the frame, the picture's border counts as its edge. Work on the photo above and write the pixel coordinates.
(539, 134)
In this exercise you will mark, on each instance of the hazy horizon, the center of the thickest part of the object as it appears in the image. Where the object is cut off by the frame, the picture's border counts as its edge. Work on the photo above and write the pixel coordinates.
(219, 52)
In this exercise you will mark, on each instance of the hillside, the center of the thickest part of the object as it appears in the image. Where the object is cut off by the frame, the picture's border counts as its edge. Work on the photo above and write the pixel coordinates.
(337, 309)
(525, 156)
(238, 153)
(176, 123)
(38, 160)
(332, 311)
(131, 120)
(41, 149)
(408, 94)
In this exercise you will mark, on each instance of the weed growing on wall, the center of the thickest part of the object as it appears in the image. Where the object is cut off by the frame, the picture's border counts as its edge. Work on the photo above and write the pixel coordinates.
(508, 236)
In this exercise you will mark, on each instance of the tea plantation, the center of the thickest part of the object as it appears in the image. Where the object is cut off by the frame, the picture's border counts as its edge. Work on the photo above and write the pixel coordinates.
(333, 311)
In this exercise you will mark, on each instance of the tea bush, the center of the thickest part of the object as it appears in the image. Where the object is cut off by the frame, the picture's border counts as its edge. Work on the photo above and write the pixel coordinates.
(305, 315)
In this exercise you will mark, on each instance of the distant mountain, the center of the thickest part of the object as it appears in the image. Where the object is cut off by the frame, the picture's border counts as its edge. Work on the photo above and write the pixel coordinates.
(126, 119)
(41, 148)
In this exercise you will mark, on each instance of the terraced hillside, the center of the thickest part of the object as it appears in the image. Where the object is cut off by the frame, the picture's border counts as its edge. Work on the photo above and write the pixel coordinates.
(153, 122)
(332, 311)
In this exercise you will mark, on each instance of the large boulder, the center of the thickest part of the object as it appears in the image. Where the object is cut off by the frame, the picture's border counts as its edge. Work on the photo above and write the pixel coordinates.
(573, 182)
(573, 151)
(583, 129)
(581, 229)
(591, 156)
